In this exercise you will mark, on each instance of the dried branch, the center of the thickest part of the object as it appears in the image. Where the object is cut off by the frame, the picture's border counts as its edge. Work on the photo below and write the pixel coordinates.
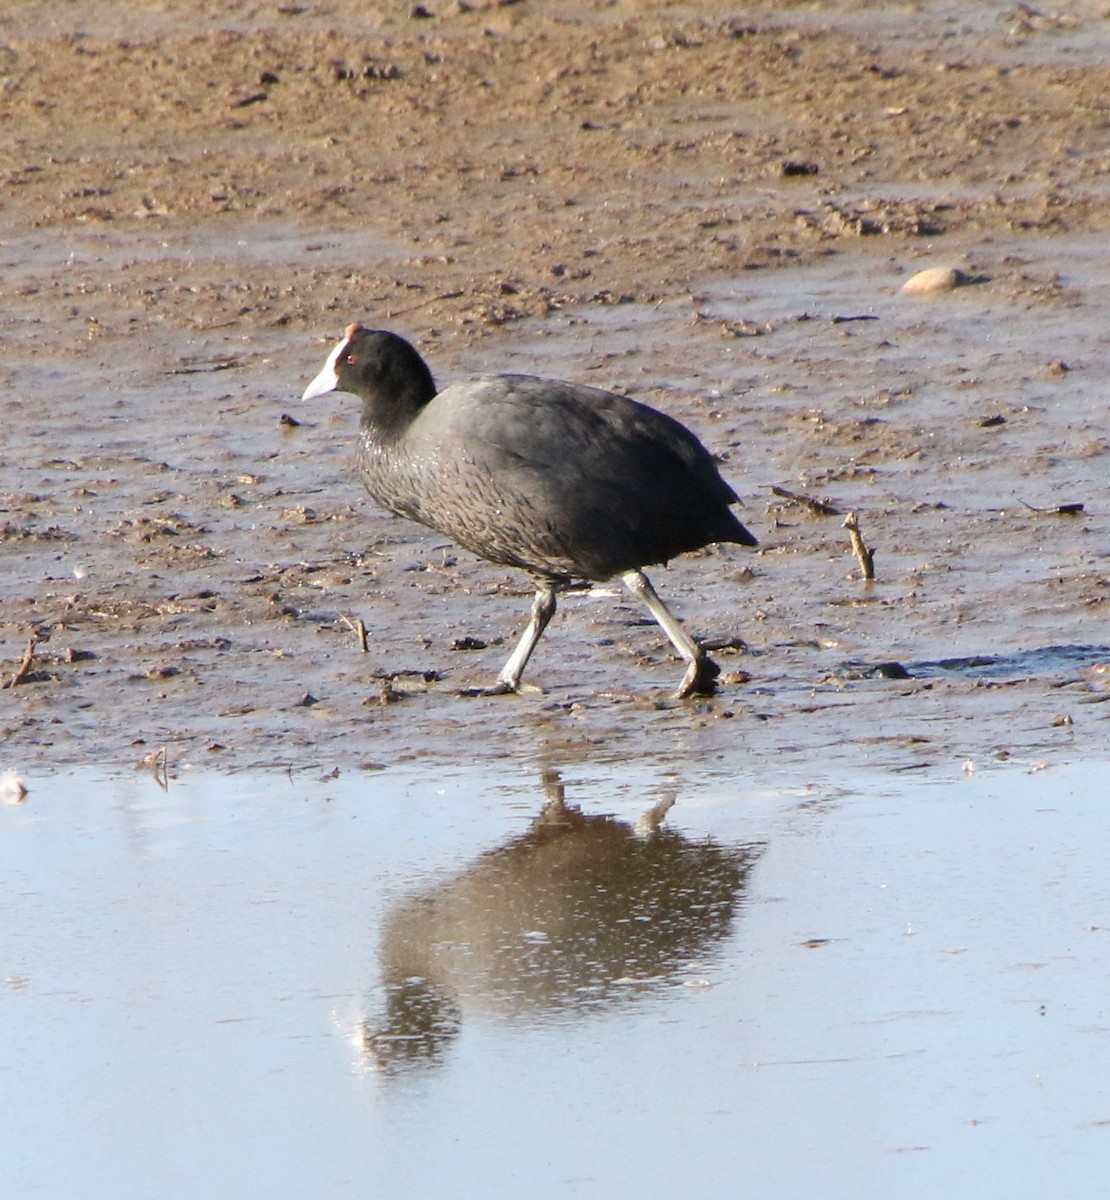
(864, 556)
(358, 626)
(24, 667)
(156, 762)
(817, 506)
(1057, 510)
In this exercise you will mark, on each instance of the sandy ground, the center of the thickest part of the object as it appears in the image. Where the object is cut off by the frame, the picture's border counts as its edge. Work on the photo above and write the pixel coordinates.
(712, 212)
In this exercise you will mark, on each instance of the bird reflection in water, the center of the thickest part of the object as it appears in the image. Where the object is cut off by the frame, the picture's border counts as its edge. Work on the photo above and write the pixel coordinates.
(578, 914)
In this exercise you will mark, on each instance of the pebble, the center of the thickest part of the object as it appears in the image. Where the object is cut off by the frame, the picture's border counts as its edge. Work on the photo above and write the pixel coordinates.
(12, 788)
(934, 279)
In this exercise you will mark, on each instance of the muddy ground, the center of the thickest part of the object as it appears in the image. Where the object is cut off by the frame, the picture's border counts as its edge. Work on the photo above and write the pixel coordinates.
(713, 209)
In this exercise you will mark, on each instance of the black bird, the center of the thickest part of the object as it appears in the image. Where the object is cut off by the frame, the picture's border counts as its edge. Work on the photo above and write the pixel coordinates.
(563, 481)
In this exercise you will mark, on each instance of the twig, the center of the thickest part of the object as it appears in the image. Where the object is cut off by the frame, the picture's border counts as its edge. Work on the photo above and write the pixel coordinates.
(400, 312)
(1059, 510)
(358, 627)
(25, 662)
(817, 506)
(859, 546)
(204, 368)
(157, 763)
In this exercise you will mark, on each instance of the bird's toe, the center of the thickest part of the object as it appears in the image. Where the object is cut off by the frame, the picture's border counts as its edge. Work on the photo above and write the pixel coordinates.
(501, 688)
(700, 679)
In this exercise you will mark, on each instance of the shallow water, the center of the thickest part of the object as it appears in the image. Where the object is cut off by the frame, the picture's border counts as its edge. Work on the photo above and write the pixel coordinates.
(410, 983)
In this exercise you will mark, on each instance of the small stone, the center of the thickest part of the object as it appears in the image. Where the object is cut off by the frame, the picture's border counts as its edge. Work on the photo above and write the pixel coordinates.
(12, 788)
(934, 279)
(163, 672)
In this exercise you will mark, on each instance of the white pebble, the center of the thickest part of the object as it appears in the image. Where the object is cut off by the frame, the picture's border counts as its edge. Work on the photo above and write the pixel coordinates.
(12, 789)
(934, 279)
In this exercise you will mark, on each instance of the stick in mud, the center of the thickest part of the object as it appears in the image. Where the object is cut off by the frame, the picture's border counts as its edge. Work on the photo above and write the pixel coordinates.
(817, 506)
(157, 762)
(24, 663)
(864, 556)
(358, 626)
(1058, 510)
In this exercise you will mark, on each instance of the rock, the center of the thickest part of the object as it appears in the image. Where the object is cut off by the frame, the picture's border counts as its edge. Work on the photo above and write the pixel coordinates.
(790, 167)
(934, 279)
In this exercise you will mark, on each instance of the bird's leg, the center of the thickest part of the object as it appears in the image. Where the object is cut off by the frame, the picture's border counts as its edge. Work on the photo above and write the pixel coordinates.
(543, 609)
(647, 826)
(555, 812)
(701, 670)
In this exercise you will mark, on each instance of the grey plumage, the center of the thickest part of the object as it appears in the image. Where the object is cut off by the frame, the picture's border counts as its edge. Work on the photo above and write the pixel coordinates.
(563, 481)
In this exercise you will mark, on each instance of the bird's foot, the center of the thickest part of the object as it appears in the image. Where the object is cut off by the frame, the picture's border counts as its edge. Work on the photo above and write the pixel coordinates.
(700, 679)
(503, 687)
(500, 688)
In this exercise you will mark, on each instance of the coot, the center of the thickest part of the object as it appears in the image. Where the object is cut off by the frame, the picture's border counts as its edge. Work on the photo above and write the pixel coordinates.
(563, 481)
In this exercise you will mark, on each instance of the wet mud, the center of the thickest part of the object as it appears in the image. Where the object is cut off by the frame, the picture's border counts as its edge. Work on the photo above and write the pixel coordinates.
(713, 213)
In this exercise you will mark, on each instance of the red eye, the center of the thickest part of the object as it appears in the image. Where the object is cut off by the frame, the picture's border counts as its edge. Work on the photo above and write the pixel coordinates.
(352, 358)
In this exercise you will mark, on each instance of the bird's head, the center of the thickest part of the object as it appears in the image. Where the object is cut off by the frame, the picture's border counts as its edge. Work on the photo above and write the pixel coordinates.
(383, 369)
